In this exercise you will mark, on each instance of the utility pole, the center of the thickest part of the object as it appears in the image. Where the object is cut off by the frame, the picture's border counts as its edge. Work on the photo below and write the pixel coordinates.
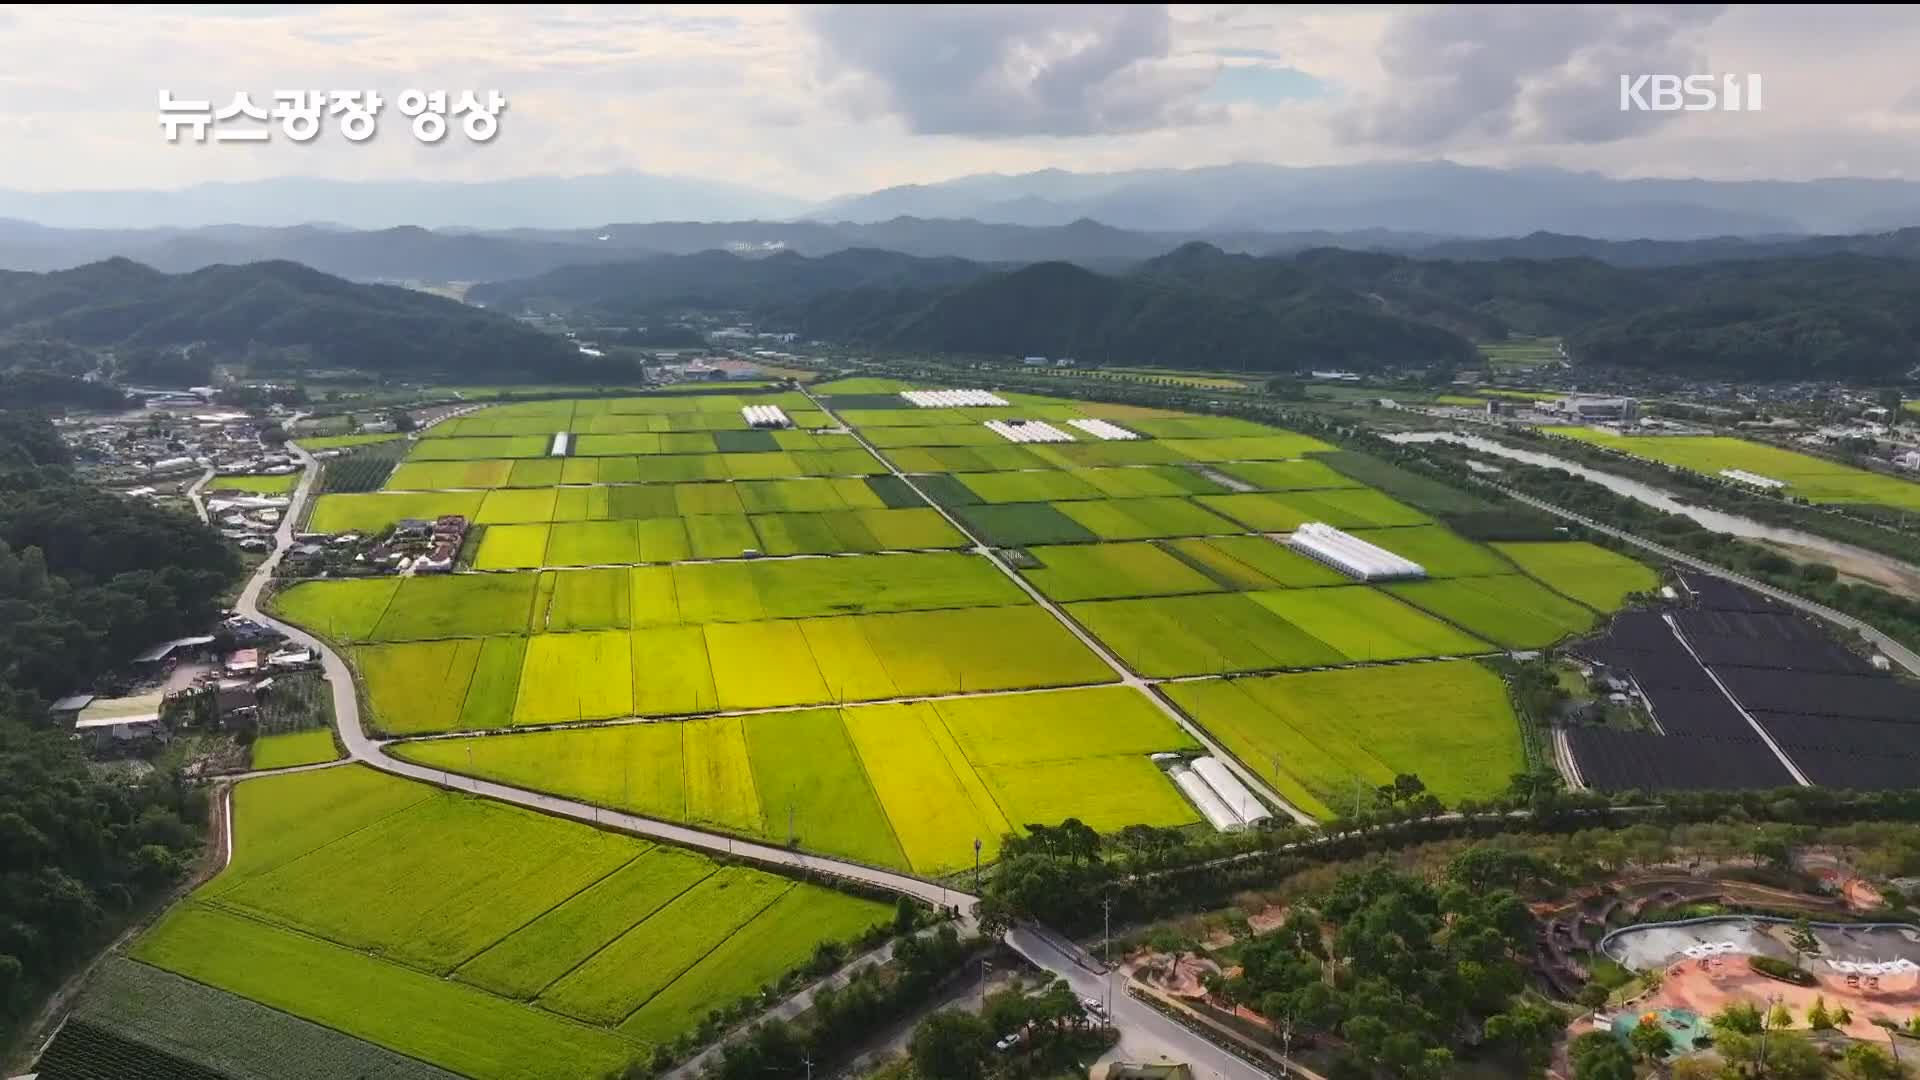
(1106, 957)
(1286, 1046)
(809, 1063)
(976, 864)
(985, 967)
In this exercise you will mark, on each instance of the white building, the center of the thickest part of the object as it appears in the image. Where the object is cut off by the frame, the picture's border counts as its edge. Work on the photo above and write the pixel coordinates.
(1351, 555)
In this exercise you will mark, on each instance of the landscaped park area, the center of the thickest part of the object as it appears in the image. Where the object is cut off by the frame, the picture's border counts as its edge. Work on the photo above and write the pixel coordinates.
(881, 635)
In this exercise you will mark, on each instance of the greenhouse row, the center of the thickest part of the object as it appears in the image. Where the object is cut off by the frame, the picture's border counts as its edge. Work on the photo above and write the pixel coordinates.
(1351, 555)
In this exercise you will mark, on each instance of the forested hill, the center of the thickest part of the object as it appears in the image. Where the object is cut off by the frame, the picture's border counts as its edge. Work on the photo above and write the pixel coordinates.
(87, 580)
(1838, 315)
(277, 316)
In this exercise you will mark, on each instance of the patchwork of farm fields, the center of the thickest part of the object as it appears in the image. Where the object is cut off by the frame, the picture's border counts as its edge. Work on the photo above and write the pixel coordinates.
(906, 786)
(485, 939)
(1806, 476)
(614, 587)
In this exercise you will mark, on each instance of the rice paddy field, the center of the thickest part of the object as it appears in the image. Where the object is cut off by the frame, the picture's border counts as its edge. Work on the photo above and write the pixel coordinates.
(1812, 478)
(487, 940)
(671, 563)
(255, 485)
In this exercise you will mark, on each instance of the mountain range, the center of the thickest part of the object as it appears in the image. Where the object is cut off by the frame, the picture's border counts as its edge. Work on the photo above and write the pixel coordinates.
(1432, 197)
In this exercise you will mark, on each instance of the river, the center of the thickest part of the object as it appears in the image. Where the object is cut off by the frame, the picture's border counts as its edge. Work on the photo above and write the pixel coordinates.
(1850, 560)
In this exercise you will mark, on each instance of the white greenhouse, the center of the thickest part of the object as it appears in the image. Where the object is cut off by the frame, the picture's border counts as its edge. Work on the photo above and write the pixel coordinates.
(765, 416)
(1100, 429)
(951, 399)
(1244, 804)
(1351, 555)
(1028, 431)
(1206, 800)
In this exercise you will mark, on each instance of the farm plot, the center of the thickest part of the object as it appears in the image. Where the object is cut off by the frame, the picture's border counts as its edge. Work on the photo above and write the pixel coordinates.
(443, 475)
(337, 610)
(375, 512)
(474, 448)
(720, 536)
(634, 767)
(1110, 571)
(1448, 723)
(532, 958)
(663, 540)
(420, 686)
(719, 779)
(463, 1029)
(887, 438)
(937, 803)
(761, 664)
(671, 671)
(1288, 475)
(633, 502)
(436, 884)
(1201, 427)
(1106, 454)
(536, 472)
(457, 605)
(590, 543)
(1029, 487)
(1201, 635)
(507, 506)
(974, 649)
(1596, 577)
(1106, 793)
(316, 443)
(256, 485)
(1439, 551)
(587, 600)
(293, 748)
(1147, 481)
(278, 819)
(756, 954)
(1812, 478)
(808, 495)
(511, 547)
(495, 684)
(807, 773)
(968, 459)
(657, 951)
(1255, 562)
(1146, 519)
(1273, 446)
(1510, 610)
(1284, 511)
(581, 676)
(1060, 726)
(1367, 625)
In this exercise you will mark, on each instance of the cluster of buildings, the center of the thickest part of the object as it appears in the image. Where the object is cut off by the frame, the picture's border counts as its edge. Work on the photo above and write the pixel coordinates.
(415, 546)
(227, 675)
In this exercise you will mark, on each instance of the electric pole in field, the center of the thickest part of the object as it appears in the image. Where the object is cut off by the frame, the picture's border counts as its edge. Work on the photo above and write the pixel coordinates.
(1106, 958)
(976, 864)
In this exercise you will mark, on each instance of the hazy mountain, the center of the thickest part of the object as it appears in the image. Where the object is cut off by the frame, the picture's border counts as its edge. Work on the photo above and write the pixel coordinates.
(1900, 244)
(1428, 197)
(534, 202)
(276, 316)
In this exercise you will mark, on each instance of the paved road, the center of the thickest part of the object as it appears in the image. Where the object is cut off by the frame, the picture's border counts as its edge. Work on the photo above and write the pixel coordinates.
(193, 493)
(1143, 1031)
(1126, 675)
(1895, 651)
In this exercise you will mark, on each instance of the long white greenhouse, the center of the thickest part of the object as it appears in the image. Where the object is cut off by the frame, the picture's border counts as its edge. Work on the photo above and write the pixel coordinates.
(1245, 805)
(765, 416)
(1028, 431)
(951, 399)
(1206, 800)
(1351, 555)
(1100, 429)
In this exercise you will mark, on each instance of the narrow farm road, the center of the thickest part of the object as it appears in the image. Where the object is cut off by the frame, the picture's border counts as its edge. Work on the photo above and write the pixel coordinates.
(193, 494)
(1126, 675)
(1141, 1027)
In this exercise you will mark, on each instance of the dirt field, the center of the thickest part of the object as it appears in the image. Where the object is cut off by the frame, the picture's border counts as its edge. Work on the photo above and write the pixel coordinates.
(1729, 979)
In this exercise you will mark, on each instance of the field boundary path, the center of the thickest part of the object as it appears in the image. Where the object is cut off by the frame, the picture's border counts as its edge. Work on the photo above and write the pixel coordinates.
(1143, 1030)
(1127, 676)
(1895, 651)
(193, 495)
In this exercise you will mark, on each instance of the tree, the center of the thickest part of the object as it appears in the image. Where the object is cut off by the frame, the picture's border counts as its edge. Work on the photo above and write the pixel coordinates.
(1817, 1017)
(1779, 1018)
(1802, 940)
(1742, 1017)
(1597, 1055)
(1840, 1016)
(951, 1045)
(1651, 1040)
(1865, 1061)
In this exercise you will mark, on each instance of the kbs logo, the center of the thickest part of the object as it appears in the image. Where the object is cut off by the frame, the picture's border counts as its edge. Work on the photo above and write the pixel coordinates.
(1690, 93)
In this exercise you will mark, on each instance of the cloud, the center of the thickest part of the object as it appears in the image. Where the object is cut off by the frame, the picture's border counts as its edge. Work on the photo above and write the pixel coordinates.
(1044, 70)
(1910, 103)
(1536, 74)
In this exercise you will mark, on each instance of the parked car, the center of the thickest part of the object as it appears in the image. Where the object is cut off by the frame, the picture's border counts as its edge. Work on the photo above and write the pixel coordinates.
(1008, 1043)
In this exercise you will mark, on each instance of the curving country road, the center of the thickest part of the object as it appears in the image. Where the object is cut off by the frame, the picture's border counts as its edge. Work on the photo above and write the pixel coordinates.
(1143, 1031)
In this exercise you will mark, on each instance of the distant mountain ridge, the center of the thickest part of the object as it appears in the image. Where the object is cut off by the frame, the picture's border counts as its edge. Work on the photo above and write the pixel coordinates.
(276, 315)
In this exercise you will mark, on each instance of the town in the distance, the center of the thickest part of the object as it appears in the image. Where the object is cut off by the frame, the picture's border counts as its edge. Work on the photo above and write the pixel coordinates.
(959, 543)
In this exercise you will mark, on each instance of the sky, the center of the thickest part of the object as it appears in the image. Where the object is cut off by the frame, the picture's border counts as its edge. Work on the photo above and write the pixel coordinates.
(815, 102)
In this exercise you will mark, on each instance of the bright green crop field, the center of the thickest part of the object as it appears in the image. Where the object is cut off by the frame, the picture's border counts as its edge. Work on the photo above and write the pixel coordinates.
(1448, 723)
(512, 547)
(1812, 478)
(293, 748)
(375, 512)
(1110, 571)
(452, 605)
(353, 895)
(1596, 577)
(255, 485)
(1511, 610)
(339, 610)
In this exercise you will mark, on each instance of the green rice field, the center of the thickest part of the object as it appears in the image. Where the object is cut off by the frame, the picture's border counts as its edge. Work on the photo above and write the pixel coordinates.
(482, 938)
(1812, 478)
(1325, 739)
(1510, 610)
(255, 485)
(292, 748)
(1596, 577)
